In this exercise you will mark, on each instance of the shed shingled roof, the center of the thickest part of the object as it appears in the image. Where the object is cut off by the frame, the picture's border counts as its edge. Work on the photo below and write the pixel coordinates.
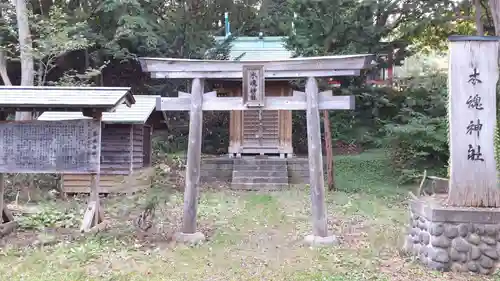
(63, 98)
(138, 113)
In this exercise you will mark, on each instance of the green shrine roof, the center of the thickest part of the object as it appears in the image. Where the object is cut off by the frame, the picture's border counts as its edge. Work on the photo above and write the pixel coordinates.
(258, 48)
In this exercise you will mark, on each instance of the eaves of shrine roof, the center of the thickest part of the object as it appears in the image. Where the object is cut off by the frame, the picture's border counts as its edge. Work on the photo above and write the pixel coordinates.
(138, 113)
(253, 48)
(22, 98)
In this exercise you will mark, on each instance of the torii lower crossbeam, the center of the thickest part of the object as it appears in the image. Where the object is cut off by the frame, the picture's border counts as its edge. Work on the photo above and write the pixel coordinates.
(311, 100)
(210, 102)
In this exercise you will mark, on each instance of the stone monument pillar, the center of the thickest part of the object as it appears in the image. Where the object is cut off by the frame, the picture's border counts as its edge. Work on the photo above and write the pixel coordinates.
(460, 231)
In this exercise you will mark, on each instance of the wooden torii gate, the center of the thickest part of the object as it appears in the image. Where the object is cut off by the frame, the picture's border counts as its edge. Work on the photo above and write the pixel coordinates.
(253, 74)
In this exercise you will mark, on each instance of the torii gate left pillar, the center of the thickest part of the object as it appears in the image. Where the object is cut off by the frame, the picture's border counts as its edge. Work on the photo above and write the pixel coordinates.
(312, 101)
(193, 164)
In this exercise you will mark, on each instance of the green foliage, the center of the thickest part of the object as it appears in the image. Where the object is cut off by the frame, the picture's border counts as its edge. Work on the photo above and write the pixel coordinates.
(58, 34)
(275, 17)
(124, 28)
(455, 17)
(373, 107)
(421, 64)
(7, 30)
(417, 137)
(112, 31)
(369, 172)
(434, 36)
(409, 121)
(215, 134)
(89, 249)
(346, 26)
(49, 218)
(353, 275)
(162, 28)
(107, 33)
(360, 126)
(15, 182)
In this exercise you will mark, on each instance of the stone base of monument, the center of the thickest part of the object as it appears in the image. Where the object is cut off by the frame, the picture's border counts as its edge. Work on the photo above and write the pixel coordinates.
(453, 239)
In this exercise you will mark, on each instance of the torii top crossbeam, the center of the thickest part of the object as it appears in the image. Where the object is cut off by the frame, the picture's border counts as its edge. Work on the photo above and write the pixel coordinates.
(345, 65)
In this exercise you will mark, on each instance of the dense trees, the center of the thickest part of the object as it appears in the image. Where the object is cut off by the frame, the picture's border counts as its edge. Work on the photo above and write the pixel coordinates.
(111, 31)
(90, 41)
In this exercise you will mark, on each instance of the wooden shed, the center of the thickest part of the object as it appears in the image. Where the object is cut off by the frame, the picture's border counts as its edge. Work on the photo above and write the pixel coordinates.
(125, 148)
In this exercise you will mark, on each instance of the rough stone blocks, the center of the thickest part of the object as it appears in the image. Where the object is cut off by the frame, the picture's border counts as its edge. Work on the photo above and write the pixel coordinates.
(453, 239)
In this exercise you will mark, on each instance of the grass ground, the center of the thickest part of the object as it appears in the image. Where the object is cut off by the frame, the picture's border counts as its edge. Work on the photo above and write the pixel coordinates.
(251, 236)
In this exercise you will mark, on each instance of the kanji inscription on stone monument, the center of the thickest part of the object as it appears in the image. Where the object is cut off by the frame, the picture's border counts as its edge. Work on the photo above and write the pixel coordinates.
(472, 119)
(474, 103)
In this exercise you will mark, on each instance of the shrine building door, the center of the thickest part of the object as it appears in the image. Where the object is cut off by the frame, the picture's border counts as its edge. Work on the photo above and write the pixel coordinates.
(262, 132)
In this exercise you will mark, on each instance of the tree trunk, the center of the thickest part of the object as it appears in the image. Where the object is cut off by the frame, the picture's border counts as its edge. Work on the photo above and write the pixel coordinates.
(3, 63)
(479, 22)
(3, 69)
(495, 14)
(25, 44)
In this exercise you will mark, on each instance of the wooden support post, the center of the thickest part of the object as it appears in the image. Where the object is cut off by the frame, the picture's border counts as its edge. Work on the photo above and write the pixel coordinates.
(2, 194)
(316, 175)
(390, 66)
(2, 184)
(191, 189)
(131, 159)
(329, 150)
(94, 215)
(473, 77)
(7, 223)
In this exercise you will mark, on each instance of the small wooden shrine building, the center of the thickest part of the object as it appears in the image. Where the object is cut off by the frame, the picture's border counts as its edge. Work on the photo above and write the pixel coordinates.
(125, 146)
(253, 132)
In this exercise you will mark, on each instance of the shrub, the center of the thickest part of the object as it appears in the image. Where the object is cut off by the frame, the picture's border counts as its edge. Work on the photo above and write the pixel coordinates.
(49, 218)
(417, 137)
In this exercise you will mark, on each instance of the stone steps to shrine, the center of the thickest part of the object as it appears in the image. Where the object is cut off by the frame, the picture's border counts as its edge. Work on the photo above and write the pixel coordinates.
(261, 174)
(258, 173)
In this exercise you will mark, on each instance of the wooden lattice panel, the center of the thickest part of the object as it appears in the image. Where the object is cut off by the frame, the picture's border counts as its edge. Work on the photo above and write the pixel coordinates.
(49, 146)
(261, 129)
